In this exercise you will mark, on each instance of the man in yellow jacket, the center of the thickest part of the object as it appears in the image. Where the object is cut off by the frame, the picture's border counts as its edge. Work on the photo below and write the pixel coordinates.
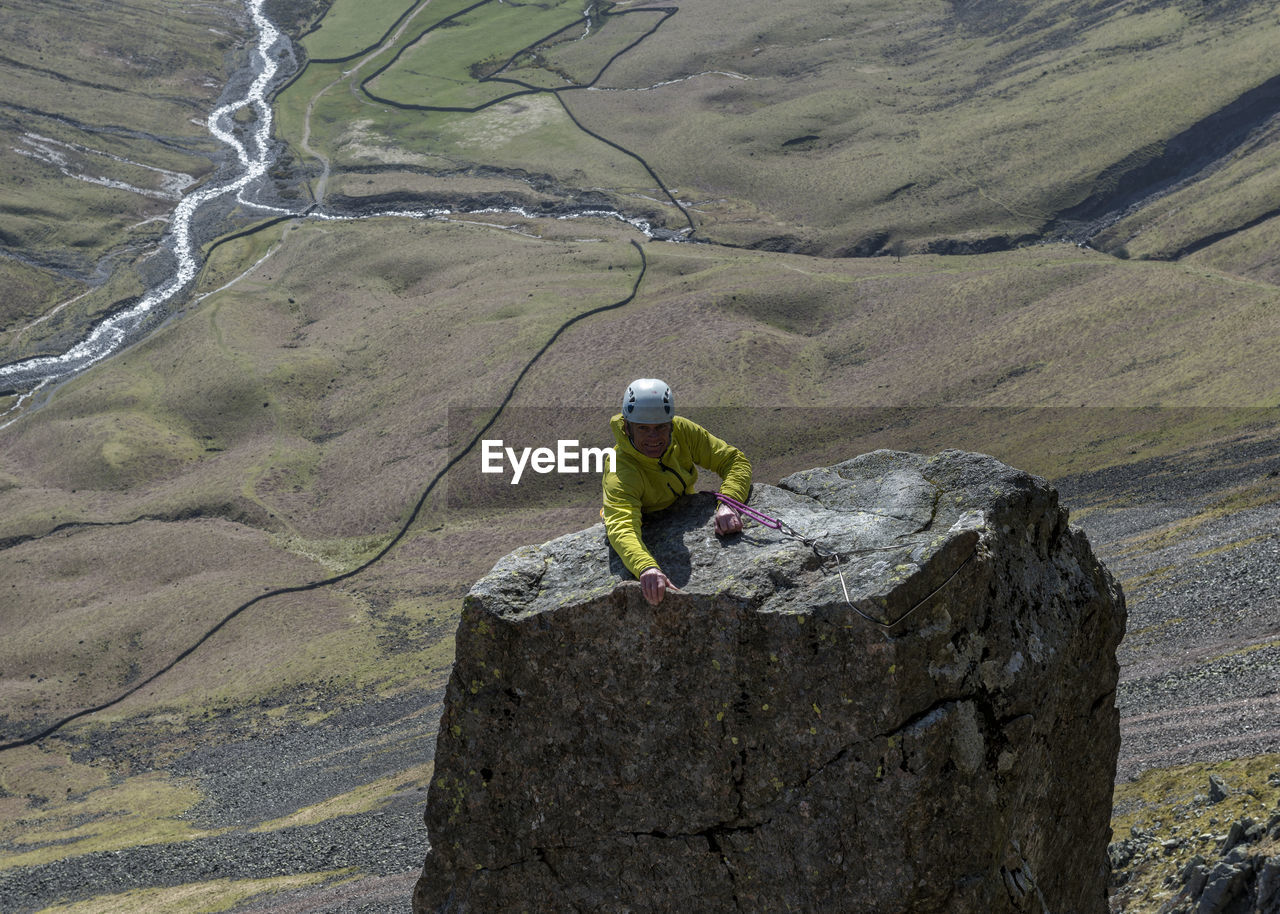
(657, 459)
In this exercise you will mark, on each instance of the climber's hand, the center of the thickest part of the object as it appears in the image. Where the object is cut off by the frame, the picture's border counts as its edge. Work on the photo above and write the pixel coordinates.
(727, 521)
(655, 585)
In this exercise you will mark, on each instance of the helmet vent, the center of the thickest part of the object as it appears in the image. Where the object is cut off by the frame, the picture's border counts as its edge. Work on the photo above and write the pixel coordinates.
(648, 400)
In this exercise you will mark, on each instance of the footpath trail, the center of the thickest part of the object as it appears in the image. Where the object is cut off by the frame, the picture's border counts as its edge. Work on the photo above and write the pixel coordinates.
(387, 43)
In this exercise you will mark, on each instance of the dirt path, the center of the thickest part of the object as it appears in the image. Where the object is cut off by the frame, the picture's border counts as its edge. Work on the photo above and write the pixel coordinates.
(348, 76)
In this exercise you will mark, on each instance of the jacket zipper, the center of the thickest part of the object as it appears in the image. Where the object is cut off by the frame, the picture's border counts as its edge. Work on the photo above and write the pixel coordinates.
(676, 475)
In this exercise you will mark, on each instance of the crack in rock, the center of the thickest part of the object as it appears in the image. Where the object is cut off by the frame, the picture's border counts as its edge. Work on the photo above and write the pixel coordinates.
(752, 744)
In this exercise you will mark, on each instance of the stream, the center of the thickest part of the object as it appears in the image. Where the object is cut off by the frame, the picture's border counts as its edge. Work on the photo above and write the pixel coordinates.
(254, 158)
(27, 378)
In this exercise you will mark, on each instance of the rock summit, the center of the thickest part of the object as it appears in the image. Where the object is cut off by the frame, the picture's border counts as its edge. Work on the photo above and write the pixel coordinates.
(755, 743)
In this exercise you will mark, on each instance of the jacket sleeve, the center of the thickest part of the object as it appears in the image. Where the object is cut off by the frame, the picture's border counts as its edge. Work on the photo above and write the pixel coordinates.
(622, 523)
(729, 463)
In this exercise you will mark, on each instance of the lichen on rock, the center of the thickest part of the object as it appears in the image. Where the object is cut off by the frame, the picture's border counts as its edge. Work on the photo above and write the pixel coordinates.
(754, 743)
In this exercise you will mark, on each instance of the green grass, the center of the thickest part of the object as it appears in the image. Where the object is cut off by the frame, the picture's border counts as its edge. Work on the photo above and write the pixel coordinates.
(919, 129)
(82, 107)
(281, 430)
(257, 415)
(1251, 253)
(358, 370)
(55, 806)
(194, 898)
(1254, 495)
(350, 26)
(33, 291)
(365, 798)
(63, 319)
(574, 61)
(527, 135)
(1173, 803)
(442, 68)
(918, 133)
(1243, 191)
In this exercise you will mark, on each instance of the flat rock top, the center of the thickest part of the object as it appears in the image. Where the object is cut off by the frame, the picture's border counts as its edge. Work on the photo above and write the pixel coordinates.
(902, 524)
(749, 743)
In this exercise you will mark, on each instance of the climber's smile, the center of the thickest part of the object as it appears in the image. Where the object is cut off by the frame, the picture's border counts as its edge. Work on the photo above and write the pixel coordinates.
(650, 440)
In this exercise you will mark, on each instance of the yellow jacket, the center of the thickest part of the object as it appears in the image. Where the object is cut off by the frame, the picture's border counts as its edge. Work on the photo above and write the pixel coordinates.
(640, 484)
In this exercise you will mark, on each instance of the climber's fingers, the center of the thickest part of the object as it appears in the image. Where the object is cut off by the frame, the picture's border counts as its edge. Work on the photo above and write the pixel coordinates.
(655, 585)
(727, 521)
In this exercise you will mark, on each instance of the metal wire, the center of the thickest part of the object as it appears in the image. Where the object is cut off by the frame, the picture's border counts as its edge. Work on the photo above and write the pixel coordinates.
(827, 557)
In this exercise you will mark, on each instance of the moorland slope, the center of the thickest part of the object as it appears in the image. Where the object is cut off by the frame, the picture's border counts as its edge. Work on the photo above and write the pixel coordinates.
(241, 542)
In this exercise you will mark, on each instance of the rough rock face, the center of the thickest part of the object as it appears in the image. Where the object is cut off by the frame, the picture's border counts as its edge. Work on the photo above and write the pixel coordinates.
(753, 744)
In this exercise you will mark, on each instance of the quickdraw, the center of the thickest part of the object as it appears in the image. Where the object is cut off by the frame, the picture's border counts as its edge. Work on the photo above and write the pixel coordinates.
(764, 519)
(827, 556)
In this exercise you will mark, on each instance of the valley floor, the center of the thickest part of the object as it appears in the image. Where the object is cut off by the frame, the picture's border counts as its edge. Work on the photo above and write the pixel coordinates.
(1195, 540)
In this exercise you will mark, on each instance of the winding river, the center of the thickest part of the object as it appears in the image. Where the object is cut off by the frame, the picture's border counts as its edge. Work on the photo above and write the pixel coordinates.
(253, 160)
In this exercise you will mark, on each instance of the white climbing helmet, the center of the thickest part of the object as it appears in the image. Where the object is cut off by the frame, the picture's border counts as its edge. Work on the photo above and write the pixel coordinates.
(648, 401)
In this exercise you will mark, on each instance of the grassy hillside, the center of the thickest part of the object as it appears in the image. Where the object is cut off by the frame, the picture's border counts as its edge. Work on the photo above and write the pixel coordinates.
(280, 434)
(297, 417)
(839, 130)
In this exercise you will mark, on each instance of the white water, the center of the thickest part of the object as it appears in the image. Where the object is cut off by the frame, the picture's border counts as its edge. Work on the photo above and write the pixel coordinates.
(641, 225)
(109, 335)
(49, 151)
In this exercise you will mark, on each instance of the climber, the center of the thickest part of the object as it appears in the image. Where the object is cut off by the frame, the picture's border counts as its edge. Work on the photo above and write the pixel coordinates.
(658, 455)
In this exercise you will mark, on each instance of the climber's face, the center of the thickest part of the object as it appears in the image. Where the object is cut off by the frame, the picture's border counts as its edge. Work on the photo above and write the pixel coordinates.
(651, 440)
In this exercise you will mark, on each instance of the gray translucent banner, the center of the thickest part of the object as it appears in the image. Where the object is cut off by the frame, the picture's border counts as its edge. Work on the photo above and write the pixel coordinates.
(1058, 443)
